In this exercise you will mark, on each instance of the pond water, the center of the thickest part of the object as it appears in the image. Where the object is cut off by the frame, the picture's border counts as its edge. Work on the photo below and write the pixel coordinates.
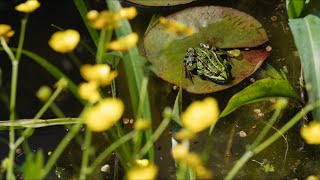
(289, 156)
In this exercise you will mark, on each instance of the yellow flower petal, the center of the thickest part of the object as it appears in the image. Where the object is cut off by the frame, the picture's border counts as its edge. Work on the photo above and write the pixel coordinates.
(103, 115)
(142, 124)
(99, 73)
(143, 172)
(311, 132)
(28, 7)
(6, 31)
(142, 162)
(128, 13)
(89, 91)
(124, 43)
(64, 41)
(176, 27)
(180, 151)
(200, 115)
(104, 19)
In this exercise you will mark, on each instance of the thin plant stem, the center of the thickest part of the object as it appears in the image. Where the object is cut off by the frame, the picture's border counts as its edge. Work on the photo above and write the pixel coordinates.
(61, 147)
(250, 153)
(75, 59)
(13, 95)
(57, 111)
(266, 129)
(21, 37)
(85, 155)
(100, 48)
(109, 150)
(28, 132)
(165, 122)
(37, 123)
(7, 49)
(48, 103)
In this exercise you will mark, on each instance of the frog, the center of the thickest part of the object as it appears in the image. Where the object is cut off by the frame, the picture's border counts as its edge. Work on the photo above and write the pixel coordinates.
(210, 63)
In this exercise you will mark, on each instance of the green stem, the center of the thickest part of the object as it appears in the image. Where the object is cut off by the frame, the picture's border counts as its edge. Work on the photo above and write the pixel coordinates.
(75, 59)
(101, 48)
(57, 111)
(109, 150)
(154, 137)
(240, 163)
(85, 156)
(21, 37)
(63, 144)
(48, 103)
(266, 128)
(7, 49)
(13, 95)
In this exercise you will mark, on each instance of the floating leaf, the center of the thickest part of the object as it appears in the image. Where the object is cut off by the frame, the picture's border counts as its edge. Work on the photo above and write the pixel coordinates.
(307, 39)
(160, 2)
(260, 90)
(219, 26)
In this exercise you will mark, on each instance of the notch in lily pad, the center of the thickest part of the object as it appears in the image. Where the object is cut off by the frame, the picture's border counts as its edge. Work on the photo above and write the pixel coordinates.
(222, 27)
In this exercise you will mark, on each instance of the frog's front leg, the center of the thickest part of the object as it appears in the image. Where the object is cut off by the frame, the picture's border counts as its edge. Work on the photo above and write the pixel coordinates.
(190, 67)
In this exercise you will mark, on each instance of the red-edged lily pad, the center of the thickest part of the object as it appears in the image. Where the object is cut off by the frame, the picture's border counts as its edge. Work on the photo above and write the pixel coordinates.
(160, 2)
(218, 26)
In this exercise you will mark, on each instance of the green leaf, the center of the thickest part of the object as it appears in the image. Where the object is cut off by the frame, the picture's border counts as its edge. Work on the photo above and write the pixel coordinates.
(160, 2)
(134, 65)
(260, 90)
(177, 108)
(295, 7)
(82, 7)
(54, 71)
(219, 26)
(33, 165)
(307, 39)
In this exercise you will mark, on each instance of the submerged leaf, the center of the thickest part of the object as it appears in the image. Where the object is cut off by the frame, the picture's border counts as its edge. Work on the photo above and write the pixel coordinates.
(218, 26)
(260, 90)
(307, 39)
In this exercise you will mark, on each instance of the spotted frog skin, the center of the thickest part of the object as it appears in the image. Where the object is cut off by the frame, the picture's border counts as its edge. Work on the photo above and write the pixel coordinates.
(209, 62)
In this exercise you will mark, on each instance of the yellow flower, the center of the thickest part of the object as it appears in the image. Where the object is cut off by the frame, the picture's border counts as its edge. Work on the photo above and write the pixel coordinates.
(128, 13)
(64, 41)
(124, 43)
(103, 115)
(203, 173)
(200, 115)
(89, 91)
(143, 172)
(28, 7)
(142, 124)
(104, 19)
(185, 134)
(6, 31)
(142, 162)
(180, 151)
(98, 73)
(176, 27)
(44, 93)
(311, 132)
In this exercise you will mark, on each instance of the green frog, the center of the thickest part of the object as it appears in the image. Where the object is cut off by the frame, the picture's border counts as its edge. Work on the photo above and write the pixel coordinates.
(210, 63)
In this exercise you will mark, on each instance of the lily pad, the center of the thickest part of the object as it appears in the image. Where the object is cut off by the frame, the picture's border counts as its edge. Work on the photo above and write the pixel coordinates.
(160, 2)
(222, 27)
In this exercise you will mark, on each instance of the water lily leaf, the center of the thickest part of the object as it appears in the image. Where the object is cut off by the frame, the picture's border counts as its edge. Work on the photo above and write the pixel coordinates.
(219, 26)
(160, 2)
